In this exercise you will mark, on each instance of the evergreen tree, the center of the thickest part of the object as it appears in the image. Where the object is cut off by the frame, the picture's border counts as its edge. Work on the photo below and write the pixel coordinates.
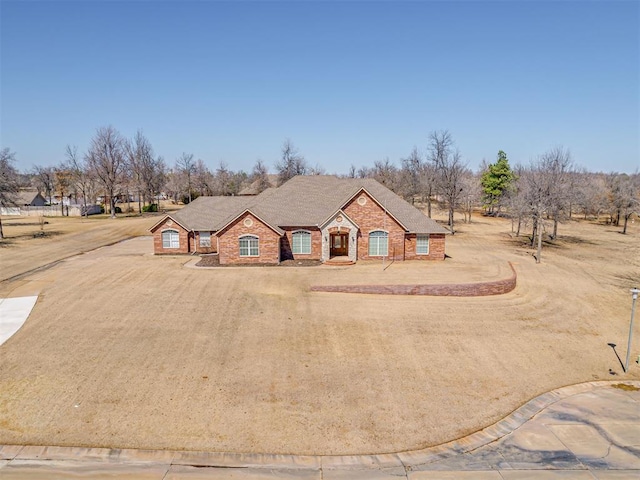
(496, 182)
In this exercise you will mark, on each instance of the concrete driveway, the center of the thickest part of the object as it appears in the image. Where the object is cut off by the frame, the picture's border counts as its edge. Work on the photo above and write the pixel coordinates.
(13, 313)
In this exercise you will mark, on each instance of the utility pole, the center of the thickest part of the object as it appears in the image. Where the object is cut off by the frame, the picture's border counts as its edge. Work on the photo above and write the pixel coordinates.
(634, 293)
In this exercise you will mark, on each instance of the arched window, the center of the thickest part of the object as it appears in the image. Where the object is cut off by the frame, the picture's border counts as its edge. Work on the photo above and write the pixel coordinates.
(170, 239)
(378, 243)
(301, 242)
(249, 246)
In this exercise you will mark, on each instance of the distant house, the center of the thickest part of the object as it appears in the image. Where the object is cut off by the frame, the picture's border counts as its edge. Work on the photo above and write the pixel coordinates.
(252, 189)
(30, 198)
(308, 217)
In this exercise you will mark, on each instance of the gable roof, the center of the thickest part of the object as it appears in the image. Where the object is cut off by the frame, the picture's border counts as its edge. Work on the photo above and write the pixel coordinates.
(211, 213)
(275, 228)
(252, 189)
(303, 201)
(30, 197)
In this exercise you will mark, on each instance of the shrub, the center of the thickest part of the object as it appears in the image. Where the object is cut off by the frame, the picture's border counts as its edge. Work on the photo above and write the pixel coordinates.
(150, 208)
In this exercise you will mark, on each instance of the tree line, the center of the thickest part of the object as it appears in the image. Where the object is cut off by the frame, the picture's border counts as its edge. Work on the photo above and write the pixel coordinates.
(536, 196)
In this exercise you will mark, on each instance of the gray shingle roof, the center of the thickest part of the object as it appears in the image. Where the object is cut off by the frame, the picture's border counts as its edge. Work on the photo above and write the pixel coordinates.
(303, 201)
(206, 213)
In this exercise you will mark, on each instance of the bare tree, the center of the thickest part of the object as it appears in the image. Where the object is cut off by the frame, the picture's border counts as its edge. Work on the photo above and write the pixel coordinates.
(80, 176)
(291, 162)
(147, 171)
(223, 180)
(203, 180)
(64, 181)
(44, 180)
(517, 199)
(546, 180)
(411, 176)
(385, 172)
(471, 194)
(449, 168)
(317, 170)
(260, 174)
(624, 194)
(427, 184)
(9, 183)
(238, 181)
(364, 172)
(106, 159)
(559, 165)
(175, 182)
(186, 165)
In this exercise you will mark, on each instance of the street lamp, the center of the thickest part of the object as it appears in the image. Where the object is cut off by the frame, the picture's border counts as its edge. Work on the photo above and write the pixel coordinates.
(634, 293)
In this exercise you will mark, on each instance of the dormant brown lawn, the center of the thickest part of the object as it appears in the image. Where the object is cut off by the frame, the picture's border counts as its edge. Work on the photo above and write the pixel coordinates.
(127, 349)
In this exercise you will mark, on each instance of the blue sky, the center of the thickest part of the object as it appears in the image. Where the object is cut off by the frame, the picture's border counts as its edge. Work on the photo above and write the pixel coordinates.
(347, 82)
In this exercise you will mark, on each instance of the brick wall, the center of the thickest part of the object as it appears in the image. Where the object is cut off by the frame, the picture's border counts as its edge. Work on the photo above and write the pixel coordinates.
(195, 244)
(370, 217)
(286, 243)
(497, 287)
(436, 247)
(229, 245)
(168, 224)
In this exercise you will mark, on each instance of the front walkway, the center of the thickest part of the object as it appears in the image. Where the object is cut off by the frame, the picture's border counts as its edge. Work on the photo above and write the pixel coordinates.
(581, 432)
(13, 313)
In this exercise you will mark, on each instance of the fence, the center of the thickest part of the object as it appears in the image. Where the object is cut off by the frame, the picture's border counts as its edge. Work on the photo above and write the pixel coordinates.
(51, 211)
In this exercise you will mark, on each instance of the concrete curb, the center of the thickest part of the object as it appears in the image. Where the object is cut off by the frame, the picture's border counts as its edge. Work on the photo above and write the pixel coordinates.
(399, 461)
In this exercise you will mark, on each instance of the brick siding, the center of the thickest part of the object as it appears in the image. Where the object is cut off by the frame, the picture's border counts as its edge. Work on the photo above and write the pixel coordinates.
(370, 217)
(229, 244)
(286, 244)
(436, 247)
(274, 248)
(183, 235)
(195, 244)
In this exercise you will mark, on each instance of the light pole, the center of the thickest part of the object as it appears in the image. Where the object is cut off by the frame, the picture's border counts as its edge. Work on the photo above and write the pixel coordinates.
(634, 293)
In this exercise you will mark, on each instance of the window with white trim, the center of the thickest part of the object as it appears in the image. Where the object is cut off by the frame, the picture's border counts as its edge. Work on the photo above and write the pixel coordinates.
(301, 242)
(205, 239)
(249, 246)
(170, 239)
(422, 245)
(378, 243)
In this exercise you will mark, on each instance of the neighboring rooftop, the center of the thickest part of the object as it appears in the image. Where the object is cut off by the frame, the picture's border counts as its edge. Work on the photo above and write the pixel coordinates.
(254, 188)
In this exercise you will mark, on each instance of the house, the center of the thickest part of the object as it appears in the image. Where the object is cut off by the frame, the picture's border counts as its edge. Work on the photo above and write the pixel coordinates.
(254, 188)
(309, 217)
(31, 198)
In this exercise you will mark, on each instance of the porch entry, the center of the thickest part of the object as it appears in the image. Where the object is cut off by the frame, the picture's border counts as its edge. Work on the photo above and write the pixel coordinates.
(339, 246)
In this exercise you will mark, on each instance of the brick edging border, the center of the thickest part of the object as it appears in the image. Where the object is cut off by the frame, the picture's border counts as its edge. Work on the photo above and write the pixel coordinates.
(481, 289)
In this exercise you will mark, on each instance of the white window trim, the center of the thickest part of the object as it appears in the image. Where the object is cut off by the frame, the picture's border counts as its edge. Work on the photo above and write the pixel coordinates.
(369, 245)
(310, 242)
(200, 239)
(170, 230)
(428, 237)
(249, 246)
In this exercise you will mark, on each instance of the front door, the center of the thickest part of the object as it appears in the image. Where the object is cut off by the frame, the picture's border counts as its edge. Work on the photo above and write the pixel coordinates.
(339, 245)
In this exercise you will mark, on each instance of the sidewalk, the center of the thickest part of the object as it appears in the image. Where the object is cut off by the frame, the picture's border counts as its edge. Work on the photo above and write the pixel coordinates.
(586, 431)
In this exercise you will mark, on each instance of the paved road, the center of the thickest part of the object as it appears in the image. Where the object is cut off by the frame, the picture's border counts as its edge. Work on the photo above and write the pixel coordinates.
(582, 432)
